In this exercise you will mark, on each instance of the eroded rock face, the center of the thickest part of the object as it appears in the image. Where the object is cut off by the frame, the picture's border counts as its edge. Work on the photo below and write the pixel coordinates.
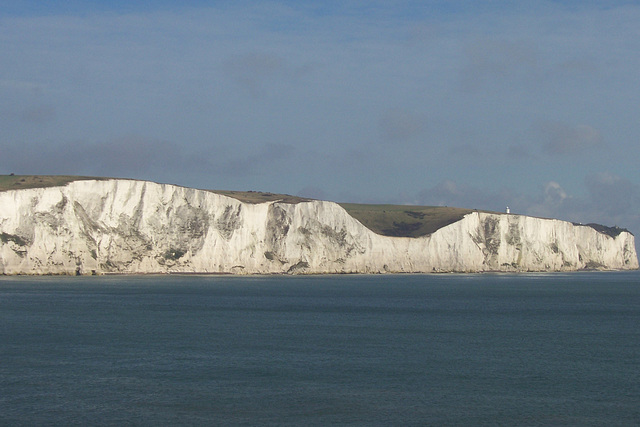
(124, 226)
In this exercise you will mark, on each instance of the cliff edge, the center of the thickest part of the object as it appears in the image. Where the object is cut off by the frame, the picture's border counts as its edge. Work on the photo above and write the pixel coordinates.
(100, 226)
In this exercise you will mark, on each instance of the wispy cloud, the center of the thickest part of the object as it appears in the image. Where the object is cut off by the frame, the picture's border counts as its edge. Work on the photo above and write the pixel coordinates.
(253, 70)
(400, 125)
(560, 138)
(38, 114)
(371, 100)
(131, 156)
(610, 200)
(498, 60)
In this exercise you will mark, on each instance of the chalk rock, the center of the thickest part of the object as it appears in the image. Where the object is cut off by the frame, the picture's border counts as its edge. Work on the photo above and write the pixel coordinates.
(127, 226)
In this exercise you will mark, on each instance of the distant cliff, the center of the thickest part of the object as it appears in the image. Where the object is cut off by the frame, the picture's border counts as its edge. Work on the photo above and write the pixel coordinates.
(127, 226)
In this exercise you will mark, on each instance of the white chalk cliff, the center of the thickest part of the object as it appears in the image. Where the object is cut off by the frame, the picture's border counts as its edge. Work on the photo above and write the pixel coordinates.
(127, 226)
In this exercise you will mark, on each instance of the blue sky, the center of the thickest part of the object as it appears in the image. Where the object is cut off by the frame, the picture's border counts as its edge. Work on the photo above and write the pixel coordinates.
(461, 103)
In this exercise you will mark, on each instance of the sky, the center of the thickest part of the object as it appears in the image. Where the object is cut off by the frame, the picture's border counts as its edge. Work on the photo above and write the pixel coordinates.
(476, 104)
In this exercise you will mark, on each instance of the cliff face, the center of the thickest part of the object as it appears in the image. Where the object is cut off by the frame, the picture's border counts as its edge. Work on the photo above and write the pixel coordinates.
(124, 226)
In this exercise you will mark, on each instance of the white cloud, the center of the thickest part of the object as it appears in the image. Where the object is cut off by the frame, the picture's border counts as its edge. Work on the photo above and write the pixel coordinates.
(610, 200)
(312, 89)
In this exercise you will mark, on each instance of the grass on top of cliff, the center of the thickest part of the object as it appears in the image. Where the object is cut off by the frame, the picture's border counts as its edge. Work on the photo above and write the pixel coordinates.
(17, 182)
(387, 220)
(260, 197)
(403, 220)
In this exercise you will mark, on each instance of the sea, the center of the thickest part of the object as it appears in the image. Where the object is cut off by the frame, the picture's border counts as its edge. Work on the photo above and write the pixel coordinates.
(367, 350)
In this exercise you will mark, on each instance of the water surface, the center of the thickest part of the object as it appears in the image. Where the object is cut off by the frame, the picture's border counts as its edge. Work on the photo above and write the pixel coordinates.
(532, 349)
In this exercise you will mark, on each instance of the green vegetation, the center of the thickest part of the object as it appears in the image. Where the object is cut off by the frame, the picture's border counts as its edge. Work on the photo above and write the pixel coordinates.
(17, 182)
(404, 221)
(387, 220)
(609, 231)
(259, 197)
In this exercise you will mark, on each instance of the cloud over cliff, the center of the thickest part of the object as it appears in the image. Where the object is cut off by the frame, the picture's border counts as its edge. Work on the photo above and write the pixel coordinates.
(377, 100)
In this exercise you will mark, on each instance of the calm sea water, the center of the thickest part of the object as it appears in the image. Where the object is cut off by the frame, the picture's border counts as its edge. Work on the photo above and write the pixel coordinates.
(539, 349)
